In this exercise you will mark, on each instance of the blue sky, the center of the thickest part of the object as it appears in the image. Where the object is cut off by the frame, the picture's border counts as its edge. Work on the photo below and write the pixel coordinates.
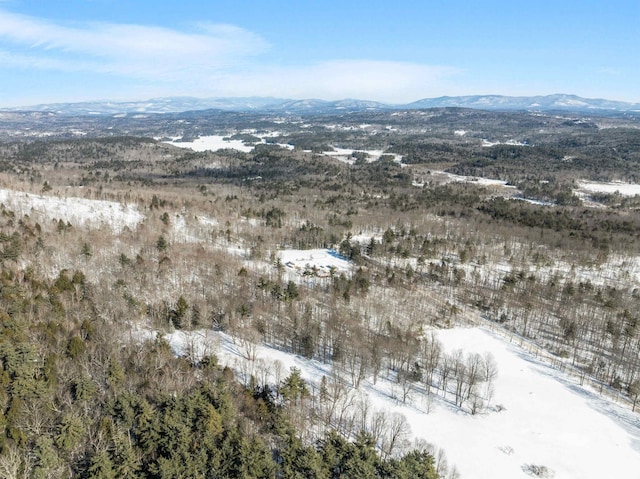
(393, 51)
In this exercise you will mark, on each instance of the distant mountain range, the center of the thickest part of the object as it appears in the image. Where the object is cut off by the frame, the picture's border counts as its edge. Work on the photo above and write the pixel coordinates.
(558, 102)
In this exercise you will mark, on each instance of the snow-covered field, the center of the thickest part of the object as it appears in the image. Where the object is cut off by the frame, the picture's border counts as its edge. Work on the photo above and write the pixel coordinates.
(545, 418)
(625, 189)
(584, 187)
(217, 142)
(320, 261)
(488, 144)
(77, 211)
(212, 143)
(548, 420)
(345, 155)
(477, 180)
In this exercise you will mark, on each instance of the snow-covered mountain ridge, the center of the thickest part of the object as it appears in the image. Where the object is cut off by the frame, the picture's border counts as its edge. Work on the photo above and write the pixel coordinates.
(556, 102)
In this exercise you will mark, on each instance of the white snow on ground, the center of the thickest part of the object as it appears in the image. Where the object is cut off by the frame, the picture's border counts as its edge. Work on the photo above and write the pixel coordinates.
(77, 211)
(460, 132)
(217, 142)
(198, 229)
(615, 271)
(345, 155)
(547, 419)
(180, 232)
(487, 144)
(212, 143)
(478, 180)
(207, 221)
(320, 260)
(366, 238)
(625, 189)
(534, 202)
(341, 154)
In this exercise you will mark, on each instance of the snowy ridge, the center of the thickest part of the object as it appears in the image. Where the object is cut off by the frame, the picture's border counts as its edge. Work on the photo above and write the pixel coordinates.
(556, 102)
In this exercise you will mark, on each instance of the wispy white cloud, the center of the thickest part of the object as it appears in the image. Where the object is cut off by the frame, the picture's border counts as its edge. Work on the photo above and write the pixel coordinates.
(209, 59)
(131, 50)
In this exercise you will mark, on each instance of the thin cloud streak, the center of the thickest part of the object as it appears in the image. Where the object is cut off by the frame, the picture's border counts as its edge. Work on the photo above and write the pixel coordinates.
(129, 50)
(210, 60)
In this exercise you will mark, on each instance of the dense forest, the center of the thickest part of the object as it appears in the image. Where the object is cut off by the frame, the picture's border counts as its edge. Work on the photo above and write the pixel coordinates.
(77, 402)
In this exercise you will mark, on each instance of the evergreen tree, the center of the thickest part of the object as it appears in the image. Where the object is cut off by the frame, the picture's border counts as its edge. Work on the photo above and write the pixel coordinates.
(101, 467)
(294, 387)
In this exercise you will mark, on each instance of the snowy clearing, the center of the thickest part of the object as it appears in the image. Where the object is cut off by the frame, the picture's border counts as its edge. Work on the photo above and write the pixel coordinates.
(345, 155)
(212, 143)
(477, 180)
(548, 420)
(77, 211)
(625, 189)
(488, 144)
(320, 262)
(365, 238)
(539, 419)
(218, 142)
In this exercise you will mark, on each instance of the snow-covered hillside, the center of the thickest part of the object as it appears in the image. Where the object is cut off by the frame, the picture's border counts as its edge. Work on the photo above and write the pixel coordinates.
(77, 211)
(547, 420)
(540, 420)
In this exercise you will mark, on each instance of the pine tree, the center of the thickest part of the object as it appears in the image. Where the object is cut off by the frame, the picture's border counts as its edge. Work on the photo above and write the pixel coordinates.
(161, 244)
(294, 387)
(101, 467)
